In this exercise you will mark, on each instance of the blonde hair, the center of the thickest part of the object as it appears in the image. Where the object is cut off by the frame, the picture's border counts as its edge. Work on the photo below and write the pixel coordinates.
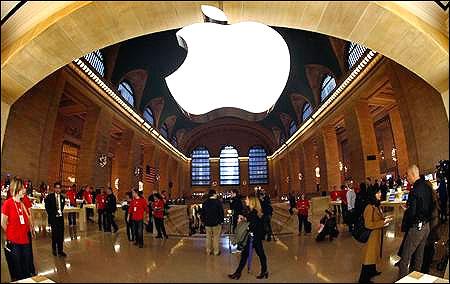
(16, 186)
(254, 203)
(413, 169)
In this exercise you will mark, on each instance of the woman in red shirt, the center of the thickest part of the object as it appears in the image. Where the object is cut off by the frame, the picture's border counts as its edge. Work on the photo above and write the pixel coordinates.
(72, 216)
(16, 224)
(136, 214)
(158, 215)
(100, 201)
(87, 197)
(302, 211)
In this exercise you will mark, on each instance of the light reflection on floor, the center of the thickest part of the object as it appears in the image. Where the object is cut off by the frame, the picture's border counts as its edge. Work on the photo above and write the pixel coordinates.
(105, 257)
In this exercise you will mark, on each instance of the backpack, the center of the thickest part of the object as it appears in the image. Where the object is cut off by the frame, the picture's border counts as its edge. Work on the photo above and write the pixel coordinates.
(242, 234)
(360, 232)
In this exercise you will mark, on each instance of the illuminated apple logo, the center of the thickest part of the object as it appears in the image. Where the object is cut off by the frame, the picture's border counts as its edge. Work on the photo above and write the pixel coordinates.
(244, 65)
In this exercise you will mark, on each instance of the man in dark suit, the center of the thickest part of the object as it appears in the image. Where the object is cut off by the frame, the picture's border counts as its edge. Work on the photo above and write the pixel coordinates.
(54, 205)
(110, 209)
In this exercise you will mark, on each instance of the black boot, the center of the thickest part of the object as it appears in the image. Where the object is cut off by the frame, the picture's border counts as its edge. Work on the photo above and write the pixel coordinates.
(373, 270)
(364, 277)
(235, 275)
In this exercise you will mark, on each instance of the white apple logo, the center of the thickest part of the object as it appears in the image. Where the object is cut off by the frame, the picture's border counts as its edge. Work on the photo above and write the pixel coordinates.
(244, 65)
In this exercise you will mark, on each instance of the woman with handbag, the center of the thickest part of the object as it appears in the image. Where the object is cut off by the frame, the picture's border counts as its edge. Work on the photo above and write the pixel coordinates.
(16, 224)
(256, 227)
(374, 221)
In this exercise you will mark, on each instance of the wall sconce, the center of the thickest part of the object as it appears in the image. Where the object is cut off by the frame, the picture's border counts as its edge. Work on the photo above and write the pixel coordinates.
(116, 183)
(341, 166)
(300, 176)
(244, 182)
(214, 183)
(317, 172)
(394, 154)
(287, 179)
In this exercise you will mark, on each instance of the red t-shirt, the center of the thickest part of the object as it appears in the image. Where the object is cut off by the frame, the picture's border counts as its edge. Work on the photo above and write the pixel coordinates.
(137, 208)
(16, 232)
(343, 195)
(158, 209)
(302, 207)
(100, 200)
(71, 194)
(87, 197)
(26, 201)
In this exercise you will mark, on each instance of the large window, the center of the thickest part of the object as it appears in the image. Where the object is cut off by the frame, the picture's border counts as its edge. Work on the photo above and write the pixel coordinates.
(95, 59)
(257, 165)
(354, 53)
(292, 128)
(229, 166)
(306, 111)
(282, 138)
(164, 131)
(200, 168)
(174, 141)
(328, 85)
(126, 91)
(69, 161)
(148, 116)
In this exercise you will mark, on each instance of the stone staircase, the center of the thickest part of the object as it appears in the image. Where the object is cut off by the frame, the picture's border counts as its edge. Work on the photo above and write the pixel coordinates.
(177, 223)
(282, 221)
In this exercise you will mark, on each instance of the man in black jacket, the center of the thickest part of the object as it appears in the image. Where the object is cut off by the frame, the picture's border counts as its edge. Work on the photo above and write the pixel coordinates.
(236, 207)
(267, 209)
(416, 220)
(110, 209)
(212, 215)
(54, 205)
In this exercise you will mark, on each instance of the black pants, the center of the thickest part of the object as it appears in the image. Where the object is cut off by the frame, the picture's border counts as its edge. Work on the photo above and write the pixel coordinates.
(20, 260)
(234, 221)
(258, 246)
(367, 272)
(327, 231)
(159, 223)
(138, 228)
(302, 220)
(101, 219)
(130, 230)
(89, 214)
(149, 227)
(58, 234)
(443, 212)
(267, 226)
(109, 216)
(31, 263)
(72, 218)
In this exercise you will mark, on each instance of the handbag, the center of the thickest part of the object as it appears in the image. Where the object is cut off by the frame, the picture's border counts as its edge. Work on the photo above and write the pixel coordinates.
(360, 232)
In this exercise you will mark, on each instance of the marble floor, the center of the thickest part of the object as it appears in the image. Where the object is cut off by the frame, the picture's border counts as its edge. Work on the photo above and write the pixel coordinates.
(105, 257)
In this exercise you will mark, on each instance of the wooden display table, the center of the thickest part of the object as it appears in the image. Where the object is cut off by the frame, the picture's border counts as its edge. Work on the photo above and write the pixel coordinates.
(417, 277)
(41, 219)
(396, 205)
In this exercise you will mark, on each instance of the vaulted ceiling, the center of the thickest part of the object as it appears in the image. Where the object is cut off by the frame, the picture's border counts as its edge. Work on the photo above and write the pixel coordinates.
(145, 62)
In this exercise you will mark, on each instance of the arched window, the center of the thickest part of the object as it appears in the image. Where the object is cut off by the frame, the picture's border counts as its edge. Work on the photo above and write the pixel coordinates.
(306, 111)
(174, 141)
(148, 116)
(200, 168)
(328, 85)
(282, 138)
(95, 59)
(257, 165)
(292, 128)
(164, 131)
(126, 91)
(229, 166)
(354, 53)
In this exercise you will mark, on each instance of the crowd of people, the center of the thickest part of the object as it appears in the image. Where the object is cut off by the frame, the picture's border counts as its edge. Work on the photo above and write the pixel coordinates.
(250, 219)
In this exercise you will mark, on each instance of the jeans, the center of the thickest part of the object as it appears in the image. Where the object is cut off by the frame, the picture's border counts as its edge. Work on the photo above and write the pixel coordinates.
(302, 219)
(58, 234)
(213, 239)
(414, 244)
(109, 217)
(72, 218)
(138, 228)
(258, 246)
(159, 223)
(130, 229)
(20, 260)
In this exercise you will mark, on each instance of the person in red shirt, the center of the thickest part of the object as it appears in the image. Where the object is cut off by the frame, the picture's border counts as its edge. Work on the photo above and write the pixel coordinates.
(16, 224)
(136, 214)
(72, 216)
(158, 215)
(87, 197)
(100, 201)
(302, 211)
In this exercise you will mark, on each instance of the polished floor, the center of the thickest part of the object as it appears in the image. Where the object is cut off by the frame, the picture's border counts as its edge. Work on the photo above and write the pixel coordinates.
(105, 257)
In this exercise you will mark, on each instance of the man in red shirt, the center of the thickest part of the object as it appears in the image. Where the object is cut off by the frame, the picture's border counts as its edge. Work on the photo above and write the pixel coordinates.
(136, 214)
(87, 197)
(100, 201)
(158, 215)
(302, 211)
(72, 216)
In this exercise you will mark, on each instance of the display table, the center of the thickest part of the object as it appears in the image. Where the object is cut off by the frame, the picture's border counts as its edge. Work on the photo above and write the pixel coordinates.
(417, 277)
(40, 215)
(319, 204)
(35, 279)
(337, 206)
(396, 205)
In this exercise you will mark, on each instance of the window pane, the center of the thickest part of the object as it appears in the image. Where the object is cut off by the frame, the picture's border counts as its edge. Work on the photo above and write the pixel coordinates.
(69, 161)
(126, 92)
(257, 165)
(307, 111)
(328, 86)
(292, 128)
(355, 52)
(95, 59)
(229, 166)
(200, 170)
(164, 131)
(148, 116)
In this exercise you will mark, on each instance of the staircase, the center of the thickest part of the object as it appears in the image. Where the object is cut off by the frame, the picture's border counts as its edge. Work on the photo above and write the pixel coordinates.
(282, 221)
(177, 223)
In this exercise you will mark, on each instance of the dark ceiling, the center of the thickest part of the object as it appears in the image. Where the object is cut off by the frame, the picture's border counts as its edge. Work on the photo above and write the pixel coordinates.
(160, 55)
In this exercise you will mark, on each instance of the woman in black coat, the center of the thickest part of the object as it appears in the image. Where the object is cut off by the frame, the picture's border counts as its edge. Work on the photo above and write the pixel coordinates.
(256, 227)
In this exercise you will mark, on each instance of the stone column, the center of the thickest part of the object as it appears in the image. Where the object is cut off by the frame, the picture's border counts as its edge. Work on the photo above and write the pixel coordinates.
(294, 163)
(124, 157)
(149, 157)
(311, 162)
(331, 156)
(399, 140)
(243, 172)
(163, 172)
(94, 142)
(361, 141)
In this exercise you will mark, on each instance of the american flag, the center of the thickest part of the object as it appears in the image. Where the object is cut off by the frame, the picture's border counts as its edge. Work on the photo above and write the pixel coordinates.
(151, 174)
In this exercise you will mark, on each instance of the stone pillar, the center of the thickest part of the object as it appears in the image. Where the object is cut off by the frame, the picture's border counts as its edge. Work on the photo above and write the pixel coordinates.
(294, 163)
(444, 96)
(54, 169)
(301, 169)
(361, 141)
(331, 156)
(149, 157)
(322, 162)
(163, 172)
(125, 168)
(5, 114)
(243, 172)
(311, 162)
(284, 169)
(399, 140)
